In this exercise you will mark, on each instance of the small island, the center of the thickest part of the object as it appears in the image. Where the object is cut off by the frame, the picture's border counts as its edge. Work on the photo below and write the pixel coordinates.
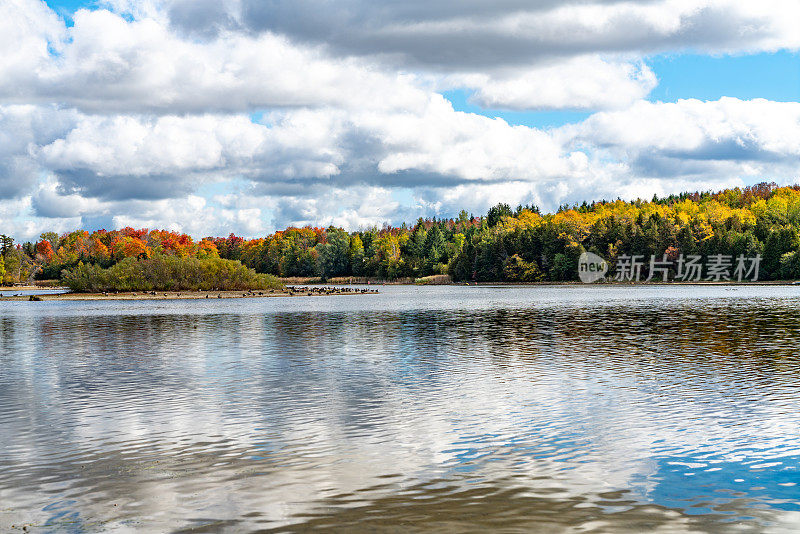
(162, 277)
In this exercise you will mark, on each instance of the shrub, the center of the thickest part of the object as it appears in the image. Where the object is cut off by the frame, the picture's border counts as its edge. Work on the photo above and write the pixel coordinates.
(517, 269)
(167, 273)
(790, 266)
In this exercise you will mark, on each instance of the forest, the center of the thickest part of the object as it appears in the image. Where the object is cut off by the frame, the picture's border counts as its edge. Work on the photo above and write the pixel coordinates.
(505, 245)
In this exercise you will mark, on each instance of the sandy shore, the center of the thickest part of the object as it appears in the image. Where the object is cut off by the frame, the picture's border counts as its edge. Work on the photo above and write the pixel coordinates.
(28, 288)
(178, 295)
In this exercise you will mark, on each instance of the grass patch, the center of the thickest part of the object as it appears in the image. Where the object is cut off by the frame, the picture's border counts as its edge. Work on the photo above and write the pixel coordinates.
(434, 280)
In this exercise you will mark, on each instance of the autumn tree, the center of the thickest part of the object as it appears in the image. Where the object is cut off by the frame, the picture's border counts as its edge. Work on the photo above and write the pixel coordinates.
(333, 256)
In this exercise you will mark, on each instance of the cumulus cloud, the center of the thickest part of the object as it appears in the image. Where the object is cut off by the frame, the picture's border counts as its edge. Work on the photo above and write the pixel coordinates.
(545, 55)
(48, 202)
(728, 137)
(467, 146)
(164, 157)
(48, 208)
(518, 55)
(354, 207)
(29, 34)
(23, 129)
(305, 168)
(438, 146)
(192, 214)
(466, 35)
(19, 220)
(106, 63)
(761, 128)
(589, 82)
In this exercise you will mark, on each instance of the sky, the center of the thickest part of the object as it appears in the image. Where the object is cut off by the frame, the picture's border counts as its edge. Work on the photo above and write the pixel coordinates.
(219, 116)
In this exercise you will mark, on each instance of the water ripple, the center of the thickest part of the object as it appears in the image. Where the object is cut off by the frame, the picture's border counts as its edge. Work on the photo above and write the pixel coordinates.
(430, 409)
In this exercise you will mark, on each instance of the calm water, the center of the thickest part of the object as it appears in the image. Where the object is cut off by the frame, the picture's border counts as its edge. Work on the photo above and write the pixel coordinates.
(443, 409)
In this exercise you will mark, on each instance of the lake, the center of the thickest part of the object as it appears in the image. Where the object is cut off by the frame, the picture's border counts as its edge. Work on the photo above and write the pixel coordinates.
(448, 409)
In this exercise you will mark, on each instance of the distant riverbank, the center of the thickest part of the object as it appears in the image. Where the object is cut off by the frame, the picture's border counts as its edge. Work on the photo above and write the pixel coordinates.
(441, 279)
(444, 280)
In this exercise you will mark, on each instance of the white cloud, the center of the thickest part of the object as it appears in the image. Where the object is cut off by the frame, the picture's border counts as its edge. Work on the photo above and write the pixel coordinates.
(473, 35)
(582, 83)
(126, 145)
(19, 220)
(109, 64)
(751, 129)
(353, 208)
(102, 155)
(720, 140)
(192, 215)
(49, 203)
(467, 146)
(330, 167)
(23, 129)
(576, 55)
(27, 31)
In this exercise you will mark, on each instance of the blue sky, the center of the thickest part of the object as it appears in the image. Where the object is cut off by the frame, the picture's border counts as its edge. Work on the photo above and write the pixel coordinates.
(207, 117)
(773, 76)
(65, 8)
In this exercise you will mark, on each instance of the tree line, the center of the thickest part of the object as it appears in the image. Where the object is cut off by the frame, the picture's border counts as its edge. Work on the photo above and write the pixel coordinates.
(505, 245)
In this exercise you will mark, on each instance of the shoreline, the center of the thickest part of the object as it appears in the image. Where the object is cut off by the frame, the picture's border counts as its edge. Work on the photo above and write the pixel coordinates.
(628, 284)
(608, 283)
(185, 295)
(313, 289)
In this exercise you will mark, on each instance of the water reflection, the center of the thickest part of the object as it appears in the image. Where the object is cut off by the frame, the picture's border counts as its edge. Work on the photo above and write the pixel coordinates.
(439, 409)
